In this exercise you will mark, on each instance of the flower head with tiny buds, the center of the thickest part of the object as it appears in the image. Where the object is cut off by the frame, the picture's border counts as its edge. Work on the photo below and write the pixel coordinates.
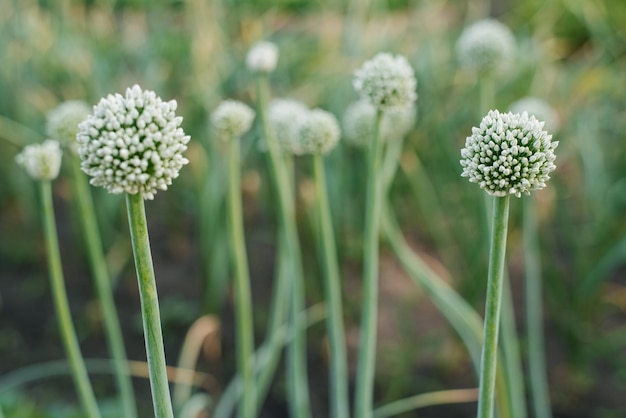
(133, 143)
(41, 161)
(485, 46)
(540, 109)
(318, 132)
(509, 153)
(231, 119)
(386, 81)
(262, 57)
(62, 121)
(284, 117)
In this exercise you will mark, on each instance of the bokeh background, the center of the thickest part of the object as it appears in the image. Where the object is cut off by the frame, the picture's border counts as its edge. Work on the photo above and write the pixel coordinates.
(571, 53)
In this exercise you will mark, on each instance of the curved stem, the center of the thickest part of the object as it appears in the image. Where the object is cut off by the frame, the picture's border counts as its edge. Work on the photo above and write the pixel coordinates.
(493, 307)
(297, 374)
(442, 397)
(103, 286)
(367, 342)
(338, 377)
(151, 317)
(243, 298)
(61, 304)
(536, 356)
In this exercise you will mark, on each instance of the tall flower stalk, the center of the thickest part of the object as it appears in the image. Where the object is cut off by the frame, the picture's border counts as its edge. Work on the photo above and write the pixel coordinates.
(42, 162)
(231, 120)
(62, 125)
(134, 144)
(261, 60)
(385, 81)
(508, 154)
(317, 133)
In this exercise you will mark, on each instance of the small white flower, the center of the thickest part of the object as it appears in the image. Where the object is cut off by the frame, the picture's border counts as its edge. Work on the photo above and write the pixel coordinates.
(318, 132)
(133, 143)
(509, 154)
(62, 121)
(386, 81)
(284, 116)
(231, 119)
(485, 46)
(262, 57)
(540, 109)
(360, 116)
(41, 161)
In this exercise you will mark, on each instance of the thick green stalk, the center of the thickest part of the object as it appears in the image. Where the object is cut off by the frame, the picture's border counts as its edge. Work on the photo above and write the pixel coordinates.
(493, 306)
(105, 292)
(151, 317)
(243, 297)
(367, 343)
(536, 357)
(338, 376)
(298, 392)
(61, 305)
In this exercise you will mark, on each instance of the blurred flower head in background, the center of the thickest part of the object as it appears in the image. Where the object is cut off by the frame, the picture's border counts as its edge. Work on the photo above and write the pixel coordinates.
(317, 132)
(284, 116)
(62, 121)
(540, 109)
(359, 118)
(486, 46)
(262, 57)
(41, 161)
(231, 119)
(133, 143)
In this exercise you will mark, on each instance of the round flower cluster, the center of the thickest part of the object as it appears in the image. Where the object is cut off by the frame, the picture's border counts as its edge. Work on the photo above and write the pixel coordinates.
(133, 143)
(231, 119)
(509, 153)
(62, 121)
(485, 46)
(386, 81)
(41, 161)
(540, 109)
(318, 132)
(284, 116)
(262, 57)
(360, 116)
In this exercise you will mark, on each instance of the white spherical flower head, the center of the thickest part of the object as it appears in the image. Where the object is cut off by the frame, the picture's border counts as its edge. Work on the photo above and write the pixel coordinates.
(386, 81)
(509, 154)
(41, 161)
(133, 143)
(62, 121)
(360, 116)
(398, 122)
(284, 116)
(318, 132)
(231, 119)
(540, 109)
(485, 46)
(262, 57)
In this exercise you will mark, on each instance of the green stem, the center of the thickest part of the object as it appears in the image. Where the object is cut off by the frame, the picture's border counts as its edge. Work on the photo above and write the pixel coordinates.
(492, 307)
(17, 134)
(243, 298)
(103, 286)
(153, 334)
(297, 374)
(367, 344)
(61, 304)
(423, 400)
(338, 377)
(536, 356)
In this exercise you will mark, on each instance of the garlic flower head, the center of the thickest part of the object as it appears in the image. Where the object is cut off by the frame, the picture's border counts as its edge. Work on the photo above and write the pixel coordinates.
(317, 132)
(262, 57)
(132, 143)
(485, 46)
(62, 121)
(360, 116)
(509, 153)
(231, 119)
(386, 81)
(41, 161)
(284, 116)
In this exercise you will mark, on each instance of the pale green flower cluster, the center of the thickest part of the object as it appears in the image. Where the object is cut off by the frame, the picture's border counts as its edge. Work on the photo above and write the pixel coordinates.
(41, 161)
(62, 121)
(485, 46)
(133, 143)
(231, 119)
(262, 57)
(284, 117)
(509, 153)
(360, 116)
(317, 132)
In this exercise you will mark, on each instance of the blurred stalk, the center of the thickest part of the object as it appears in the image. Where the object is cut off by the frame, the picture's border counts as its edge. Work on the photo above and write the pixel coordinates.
(17, 134)
(367, 342)
(102, 281)
(534, 313)
(493, 307)
(338, 377)
(243, 298)
(442, 397)
(61, 304)
(151, 317)
(297, 374)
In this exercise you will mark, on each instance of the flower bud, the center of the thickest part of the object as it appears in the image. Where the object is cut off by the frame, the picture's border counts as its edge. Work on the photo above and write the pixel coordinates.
(41, 161)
